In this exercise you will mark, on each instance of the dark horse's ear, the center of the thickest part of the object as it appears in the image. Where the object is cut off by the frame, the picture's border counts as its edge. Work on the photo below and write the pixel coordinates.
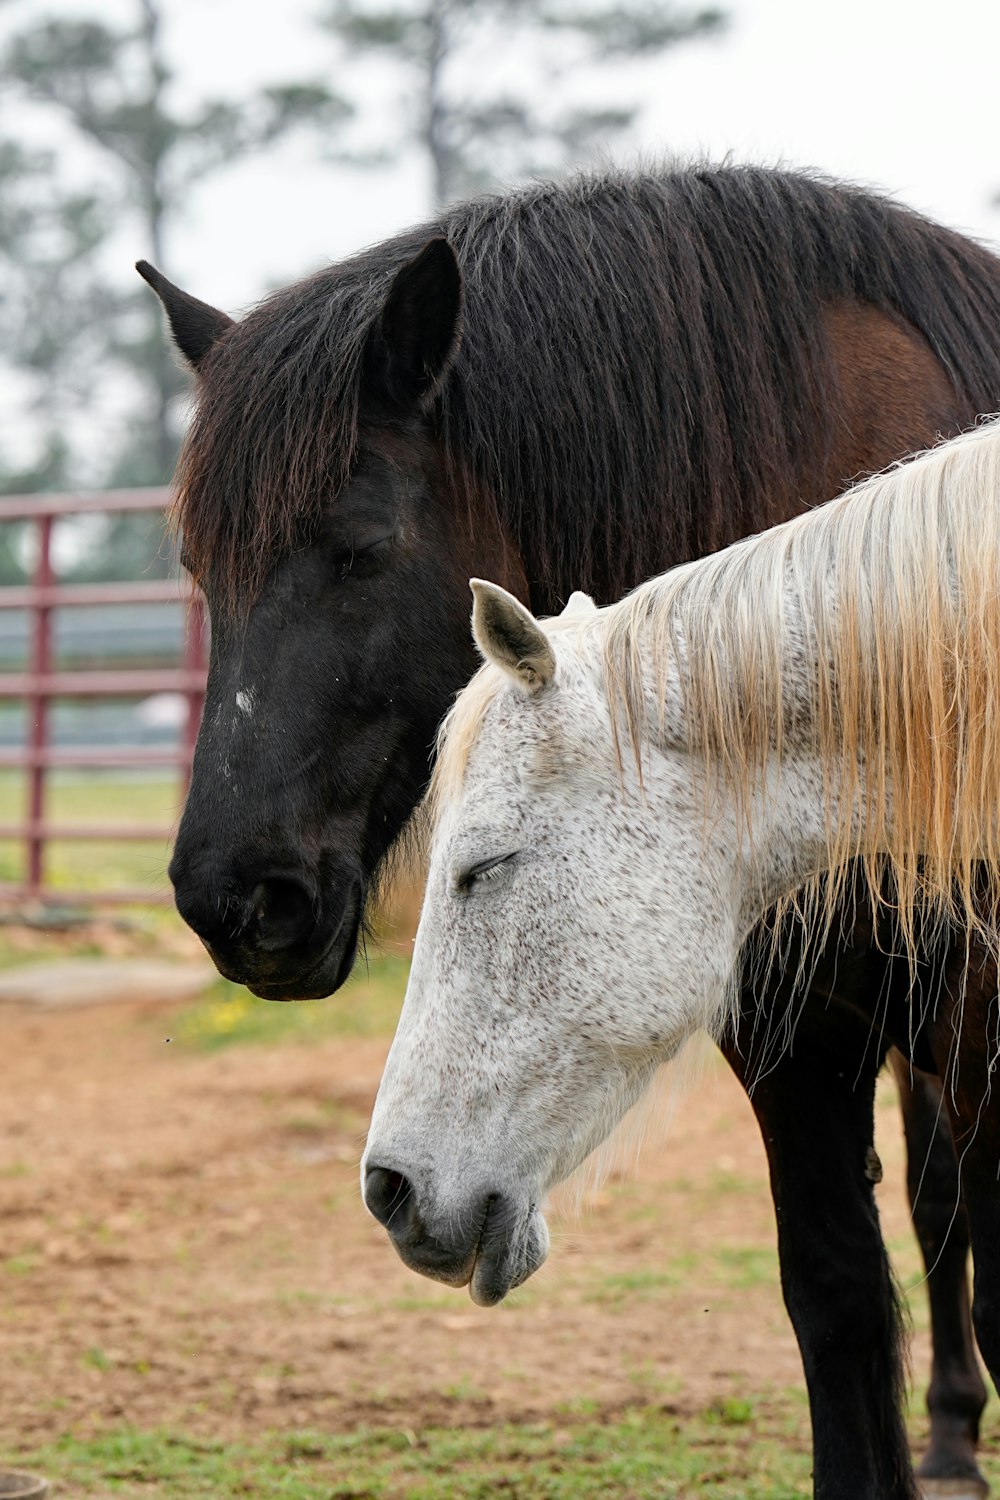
(195, 325)
(412, 345)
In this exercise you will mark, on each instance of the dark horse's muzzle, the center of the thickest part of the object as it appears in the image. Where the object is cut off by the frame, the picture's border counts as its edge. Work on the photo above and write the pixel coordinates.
(283, 933)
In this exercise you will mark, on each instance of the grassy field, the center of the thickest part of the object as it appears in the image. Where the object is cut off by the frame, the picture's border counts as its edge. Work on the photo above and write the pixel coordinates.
(80, 800)
(230, 1016)
(643, 1454)
(96, 798)
(647, 1446)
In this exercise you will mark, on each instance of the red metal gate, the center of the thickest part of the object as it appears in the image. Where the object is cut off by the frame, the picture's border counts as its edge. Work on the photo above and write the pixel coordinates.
(42, 682)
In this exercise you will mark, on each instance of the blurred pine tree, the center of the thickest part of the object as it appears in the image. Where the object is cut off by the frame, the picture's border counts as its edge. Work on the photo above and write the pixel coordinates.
(475, 133)
(64, 323)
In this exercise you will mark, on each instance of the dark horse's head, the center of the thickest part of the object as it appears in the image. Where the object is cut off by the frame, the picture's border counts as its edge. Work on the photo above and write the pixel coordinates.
(626, 372)
(321, 518)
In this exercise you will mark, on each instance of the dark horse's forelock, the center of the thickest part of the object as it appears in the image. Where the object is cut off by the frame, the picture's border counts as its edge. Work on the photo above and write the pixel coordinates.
(640, 355)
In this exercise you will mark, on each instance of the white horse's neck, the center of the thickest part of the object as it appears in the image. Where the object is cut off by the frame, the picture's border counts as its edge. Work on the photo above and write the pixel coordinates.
(784, 809)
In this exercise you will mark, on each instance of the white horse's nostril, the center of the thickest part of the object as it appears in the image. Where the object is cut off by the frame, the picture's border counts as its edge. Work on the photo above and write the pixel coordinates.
(387, 1195)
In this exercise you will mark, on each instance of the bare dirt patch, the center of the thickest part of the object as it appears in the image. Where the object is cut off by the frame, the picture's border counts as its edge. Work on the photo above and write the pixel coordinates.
(182, 1244)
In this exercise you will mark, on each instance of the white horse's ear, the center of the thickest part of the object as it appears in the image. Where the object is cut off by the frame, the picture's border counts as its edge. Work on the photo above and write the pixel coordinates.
(509, 636)
(578, 603)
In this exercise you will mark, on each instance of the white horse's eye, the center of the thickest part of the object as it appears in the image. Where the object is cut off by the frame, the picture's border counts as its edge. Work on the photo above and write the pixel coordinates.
(486, 869)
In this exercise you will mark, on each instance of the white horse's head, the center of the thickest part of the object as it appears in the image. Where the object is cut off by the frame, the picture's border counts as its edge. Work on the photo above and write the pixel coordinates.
(822, 698)
(543, 994)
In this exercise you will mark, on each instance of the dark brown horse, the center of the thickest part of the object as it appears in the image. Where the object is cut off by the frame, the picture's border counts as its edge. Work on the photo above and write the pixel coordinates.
(573, 387)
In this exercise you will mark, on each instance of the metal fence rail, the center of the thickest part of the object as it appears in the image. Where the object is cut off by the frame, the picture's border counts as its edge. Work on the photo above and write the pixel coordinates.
(42, 682)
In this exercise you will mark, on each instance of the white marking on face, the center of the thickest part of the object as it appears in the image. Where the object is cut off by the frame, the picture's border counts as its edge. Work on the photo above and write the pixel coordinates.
(244, 701)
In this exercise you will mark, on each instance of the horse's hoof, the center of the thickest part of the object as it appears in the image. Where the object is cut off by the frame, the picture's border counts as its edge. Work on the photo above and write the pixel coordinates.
(954, 1489)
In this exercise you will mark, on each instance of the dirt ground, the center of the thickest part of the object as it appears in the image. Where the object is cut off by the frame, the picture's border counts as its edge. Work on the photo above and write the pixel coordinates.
(182, 1245)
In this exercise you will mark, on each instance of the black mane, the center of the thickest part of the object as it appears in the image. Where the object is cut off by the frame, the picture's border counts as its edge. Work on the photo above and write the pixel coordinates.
(641, 361)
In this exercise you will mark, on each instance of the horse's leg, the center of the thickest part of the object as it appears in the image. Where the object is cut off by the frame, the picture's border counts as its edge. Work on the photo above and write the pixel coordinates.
(956, 1395)
(815, 1107)
(966, 1043)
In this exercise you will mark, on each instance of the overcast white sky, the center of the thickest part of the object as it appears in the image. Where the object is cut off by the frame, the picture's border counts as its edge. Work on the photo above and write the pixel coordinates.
(901, 94)
(897, 93)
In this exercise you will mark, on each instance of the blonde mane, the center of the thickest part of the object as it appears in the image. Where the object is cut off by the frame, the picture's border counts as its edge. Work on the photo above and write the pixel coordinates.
(892, 593)
(895, 588)
(458, 732)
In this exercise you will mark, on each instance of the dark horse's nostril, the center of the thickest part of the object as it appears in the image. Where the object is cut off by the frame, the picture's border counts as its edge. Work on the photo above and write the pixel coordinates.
(284, 913)
(387, 1196)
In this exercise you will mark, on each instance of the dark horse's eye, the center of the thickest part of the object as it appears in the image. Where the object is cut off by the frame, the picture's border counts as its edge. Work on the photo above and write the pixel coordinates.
(362, 558)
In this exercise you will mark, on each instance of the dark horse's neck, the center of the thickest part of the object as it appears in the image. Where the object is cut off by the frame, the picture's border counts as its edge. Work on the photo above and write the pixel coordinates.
(650, 368)
(654, 367)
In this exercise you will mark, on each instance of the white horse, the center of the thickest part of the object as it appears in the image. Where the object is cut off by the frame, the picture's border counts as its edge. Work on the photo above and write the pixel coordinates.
(622, 794)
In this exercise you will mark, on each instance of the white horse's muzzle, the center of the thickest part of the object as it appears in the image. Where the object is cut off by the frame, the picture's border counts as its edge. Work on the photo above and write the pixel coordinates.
(491, 1242)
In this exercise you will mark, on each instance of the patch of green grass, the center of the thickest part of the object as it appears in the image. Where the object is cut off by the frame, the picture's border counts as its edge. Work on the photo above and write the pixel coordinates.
(581, 1407)
(644, 1455)
(643, 1213)
(741, 1448)
(650, 1383)
(732, 1411)
(745, 1267)
(465, 1389)
(724, 1184)
(22, 1265)
(367, 1005)
(420, 1304)
(622, 1286)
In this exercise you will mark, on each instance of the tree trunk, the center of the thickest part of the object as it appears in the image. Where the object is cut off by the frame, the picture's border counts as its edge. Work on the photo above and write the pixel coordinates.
(435, 114)
(154, 209)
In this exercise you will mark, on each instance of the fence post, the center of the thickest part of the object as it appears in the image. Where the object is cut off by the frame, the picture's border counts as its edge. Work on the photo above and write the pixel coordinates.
(38, 707)
(41, 683)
